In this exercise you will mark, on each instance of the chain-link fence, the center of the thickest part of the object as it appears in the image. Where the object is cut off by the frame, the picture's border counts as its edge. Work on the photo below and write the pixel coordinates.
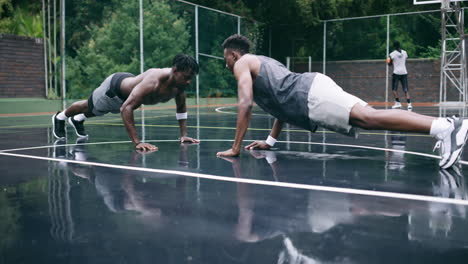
(135, 35)
(355, 50)
(110, 36)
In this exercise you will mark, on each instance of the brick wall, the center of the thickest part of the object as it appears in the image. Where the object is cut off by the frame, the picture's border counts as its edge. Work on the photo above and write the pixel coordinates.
(22, 73)
(367, 79)
(21, 67)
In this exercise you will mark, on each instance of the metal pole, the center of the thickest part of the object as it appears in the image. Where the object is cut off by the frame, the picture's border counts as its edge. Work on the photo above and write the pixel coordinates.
(55, 45)
(324, 61)
(207, 8)
(310, 133)
(142, 62)
(142, 69)
(386, 65)
(238, 25)
(49, 44)
(45, 48)
(465, 82)
(324, 47)
(269, 42)
(196, 54)
(288, 128)
(197, 100)
(376, 16)
(442, 60)
(64, 88)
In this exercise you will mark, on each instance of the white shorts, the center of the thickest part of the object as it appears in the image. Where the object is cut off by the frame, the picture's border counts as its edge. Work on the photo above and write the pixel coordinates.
(330, 106)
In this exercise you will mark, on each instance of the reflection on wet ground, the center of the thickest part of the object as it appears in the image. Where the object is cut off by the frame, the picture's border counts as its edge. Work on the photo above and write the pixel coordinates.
(69, 209)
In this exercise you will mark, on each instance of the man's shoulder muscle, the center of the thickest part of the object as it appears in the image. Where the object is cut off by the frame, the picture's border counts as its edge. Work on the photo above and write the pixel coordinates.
(248, 61)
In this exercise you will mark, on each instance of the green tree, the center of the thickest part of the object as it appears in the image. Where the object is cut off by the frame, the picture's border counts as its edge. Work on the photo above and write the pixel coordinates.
(86, 13)
(114, 46)
(6, 8)
(26, 24)
(20, 18)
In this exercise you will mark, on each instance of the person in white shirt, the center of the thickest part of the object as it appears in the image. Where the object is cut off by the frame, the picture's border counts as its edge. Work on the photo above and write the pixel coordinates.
(398, 59)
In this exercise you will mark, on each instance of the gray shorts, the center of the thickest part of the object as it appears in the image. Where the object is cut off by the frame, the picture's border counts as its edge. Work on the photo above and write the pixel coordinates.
(330, 106)
(103, 101)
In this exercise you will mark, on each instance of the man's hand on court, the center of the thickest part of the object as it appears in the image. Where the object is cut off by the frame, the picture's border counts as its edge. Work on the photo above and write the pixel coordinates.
(258, 145)
(228, 153)
(145, 147)
(257, 154)
(189, 140)
(145, 152)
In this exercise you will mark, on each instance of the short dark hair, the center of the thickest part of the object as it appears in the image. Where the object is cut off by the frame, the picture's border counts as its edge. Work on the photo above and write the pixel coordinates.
(184, 62)
(396, 45)
(237, 42)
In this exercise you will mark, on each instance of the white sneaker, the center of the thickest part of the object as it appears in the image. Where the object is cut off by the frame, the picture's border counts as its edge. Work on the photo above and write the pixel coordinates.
(451, 142)
(397, 105)
(410, 107)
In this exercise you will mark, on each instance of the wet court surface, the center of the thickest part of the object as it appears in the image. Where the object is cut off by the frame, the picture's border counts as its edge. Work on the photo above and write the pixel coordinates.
(317, 198)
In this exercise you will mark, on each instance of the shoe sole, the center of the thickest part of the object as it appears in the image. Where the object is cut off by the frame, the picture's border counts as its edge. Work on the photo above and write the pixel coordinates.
(457, 153)
(76, 131)
(53, 128)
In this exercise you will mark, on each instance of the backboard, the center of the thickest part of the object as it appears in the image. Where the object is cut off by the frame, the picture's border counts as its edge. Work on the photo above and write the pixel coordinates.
(423, 2)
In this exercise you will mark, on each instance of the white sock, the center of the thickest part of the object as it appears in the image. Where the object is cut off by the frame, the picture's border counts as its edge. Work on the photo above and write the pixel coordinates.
(61, 116)
(79, 117)
(438, 126)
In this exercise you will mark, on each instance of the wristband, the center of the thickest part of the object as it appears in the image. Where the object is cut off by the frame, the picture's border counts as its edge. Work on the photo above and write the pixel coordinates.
(180, 116)
(270, 141)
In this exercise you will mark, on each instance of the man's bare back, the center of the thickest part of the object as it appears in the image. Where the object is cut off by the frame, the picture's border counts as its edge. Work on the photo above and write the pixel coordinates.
(162, 89)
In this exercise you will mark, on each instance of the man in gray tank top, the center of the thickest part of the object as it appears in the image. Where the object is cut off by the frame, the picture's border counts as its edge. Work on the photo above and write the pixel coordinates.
(309, 100)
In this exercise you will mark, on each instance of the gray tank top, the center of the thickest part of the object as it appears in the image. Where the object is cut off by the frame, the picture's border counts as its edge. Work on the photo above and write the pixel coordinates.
(282, 93)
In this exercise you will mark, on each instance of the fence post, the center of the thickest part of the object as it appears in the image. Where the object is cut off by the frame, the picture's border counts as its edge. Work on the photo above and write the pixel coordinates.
(386, 65)
(324, 47)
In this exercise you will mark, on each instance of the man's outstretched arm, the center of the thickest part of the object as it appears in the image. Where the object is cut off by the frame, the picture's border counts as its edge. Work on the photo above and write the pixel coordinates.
(134, 100)
(181, 116)
(271, 140)
(244, 108)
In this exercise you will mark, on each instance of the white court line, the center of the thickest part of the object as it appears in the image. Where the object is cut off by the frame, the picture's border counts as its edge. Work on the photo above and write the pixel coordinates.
(217, 140)
(219, 110)
(79, 144)
(393, 195)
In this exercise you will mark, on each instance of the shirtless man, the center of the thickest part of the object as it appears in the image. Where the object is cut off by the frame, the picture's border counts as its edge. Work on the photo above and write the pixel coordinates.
(124, 92)
(309, 100)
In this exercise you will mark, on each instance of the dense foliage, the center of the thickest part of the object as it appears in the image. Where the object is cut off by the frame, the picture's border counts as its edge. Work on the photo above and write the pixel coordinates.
(103, 36)
(114, 46)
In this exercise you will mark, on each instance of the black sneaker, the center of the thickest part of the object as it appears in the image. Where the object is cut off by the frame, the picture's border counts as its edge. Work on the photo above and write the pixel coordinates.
(78, 126)
(78, 151)
(59, 150)
(58, 127)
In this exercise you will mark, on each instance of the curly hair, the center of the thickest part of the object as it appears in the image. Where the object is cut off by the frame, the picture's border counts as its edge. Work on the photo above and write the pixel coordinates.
(184, 62)
(237, 42)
